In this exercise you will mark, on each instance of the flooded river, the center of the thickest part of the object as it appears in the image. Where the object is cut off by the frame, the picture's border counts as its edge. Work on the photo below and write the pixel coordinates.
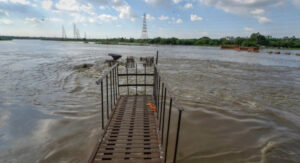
(239, 106)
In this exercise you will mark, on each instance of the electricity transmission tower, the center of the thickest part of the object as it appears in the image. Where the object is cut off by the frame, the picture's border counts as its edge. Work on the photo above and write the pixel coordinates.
(76, 32)
(64, 35)
(144, 29)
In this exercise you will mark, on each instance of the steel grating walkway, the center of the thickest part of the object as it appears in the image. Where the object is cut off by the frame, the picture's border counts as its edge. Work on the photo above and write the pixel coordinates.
(131, 135)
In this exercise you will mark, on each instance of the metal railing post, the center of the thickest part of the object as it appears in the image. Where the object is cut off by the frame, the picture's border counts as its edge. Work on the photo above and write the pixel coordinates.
(111, 102)
(162, 96)
(136, 81)
(145, 81)
(156, 56)
(113, 84)
(102, 116)
(163, 120)
(118, 80)
(158, 96)
(154, 85)
(107, 109)
(168, 130)
(116, 89)
(177, 135)
(127, 79)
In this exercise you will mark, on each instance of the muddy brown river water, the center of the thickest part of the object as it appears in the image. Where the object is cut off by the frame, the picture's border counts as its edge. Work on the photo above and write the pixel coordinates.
(239, 106)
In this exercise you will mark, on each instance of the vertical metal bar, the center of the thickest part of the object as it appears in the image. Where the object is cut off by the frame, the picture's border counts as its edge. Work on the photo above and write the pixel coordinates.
(177, 135)
(136, 81)
(113, 83)
(116, 89)
(158, 96)
(107, 110)
(145, 81)
(111, 101)
(162, 96)
(127, 79)
(163, 120)
(154, 83)
(102, 116)
(118, 80)
(168, 130)
(156, 56)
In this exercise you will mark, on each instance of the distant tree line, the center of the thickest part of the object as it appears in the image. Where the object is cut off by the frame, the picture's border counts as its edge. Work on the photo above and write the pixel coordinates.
(255, 40)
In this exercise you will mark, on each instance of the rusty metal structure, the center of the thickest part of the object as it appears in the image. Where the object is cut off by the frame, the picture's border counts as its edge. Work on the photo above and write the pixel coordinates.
(132, 132)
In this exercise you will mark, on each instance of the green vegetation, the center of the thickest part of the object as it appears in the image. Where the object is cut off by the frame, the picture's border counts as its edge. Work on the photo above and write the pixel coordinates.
(255, 40)
(5, 39)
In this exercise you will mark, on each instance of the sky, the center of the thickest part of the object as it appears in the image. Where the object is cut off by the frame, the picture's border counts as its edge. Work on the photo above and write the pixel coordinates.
(165, 18)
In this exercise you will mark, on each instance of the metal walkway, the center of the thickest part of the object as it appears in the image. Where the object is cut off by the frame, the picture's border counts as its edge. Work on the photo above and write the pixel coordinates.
(131, 135)
(132, 131)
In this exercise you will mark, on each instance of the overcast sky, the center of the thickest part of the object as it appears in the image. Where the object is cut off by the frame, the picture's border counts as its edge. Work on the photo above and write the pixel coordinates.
(165, 18)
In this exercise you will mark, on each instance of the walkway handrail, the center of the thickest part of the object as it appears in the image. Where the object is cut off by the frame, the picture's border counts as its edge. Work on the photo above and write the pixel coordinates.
(160, 91)
(111, 79)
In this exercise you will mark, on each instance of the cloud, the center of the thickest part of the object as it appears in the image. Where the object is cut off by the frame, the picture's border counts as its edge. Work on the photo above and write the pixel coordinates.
(102, 7)
(6, 21)
(158, 2)
(196, 18)
(33, 20)
(107, 18)
(254, 8)
(74, 6)
(149, 17)
(179, 21)
(68, 5)
(204, 33)
(54, 19)
(125, 11)
(263, 19)
(47, 4)
(177, 1)
(23, 2)
(258, 11)
(248, 29)
(3, 13)
(162, 17)
(188, 5)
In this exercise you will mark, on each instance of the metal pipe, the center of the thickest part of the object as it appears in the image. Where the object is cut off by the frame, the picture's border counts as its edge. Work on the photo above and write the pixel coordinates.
(113, 84)
(136, 81)
(111, 105)
(118, 80)
(107, 110)
(145, 81)
(168, 130)
(158, 95)
(102, 115)
(162, 96)
(154, 85)
(177, 135)
(127, 79)
(116, 89)
(156, 56)
(163, 120)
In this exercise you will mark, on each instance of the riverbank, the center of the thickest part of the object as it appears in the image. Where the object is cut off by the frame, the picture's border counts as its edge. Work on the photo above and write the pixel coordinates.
(5, 39)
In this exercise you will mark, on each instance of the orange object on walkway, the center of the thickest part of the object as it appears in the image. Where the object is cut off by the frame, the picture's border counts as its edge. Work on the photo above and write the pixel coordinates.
(151, 106)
